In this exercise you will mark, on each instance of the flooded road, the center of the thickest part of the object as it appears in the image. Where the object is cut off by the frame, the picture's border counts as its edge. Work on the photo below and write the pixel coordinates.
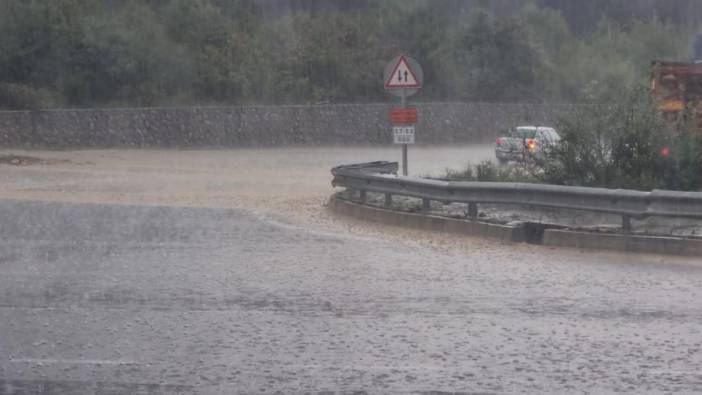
(207, 177)
(221, 272)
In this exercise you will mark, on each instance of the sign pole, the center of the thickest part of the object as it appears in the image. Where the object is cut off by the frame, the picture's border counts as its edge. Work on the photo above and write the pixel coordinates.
(404, 146)
(403, 77)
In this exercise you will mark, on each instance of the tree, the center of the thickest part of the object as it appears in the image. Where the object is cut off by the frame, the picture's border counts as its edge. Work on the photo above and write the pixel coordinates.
(142, 53)
(491, 60)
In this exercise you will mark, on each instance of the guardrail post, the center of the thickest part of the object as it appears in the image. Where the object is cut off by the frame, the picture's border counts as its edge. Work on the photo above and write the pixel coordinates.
(388, 200)
(425, 205)
(473, 210)
(626, 223)
(362, 196)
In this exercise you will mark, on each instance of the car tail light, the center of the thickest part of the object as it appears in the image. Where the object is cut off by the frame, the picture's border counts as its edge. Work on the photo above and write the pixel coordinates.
(665, 152)
(498, 142)
(531, 144)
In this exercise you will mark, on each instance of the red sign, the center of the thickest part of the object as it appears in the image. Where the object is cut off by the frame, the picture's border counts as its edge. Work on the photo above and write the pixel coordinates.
(403, 116)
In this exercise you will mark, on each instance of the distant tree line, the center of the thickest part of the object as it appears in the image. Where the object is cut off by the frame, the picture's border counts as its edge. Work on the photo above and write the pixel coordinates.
(93, 53)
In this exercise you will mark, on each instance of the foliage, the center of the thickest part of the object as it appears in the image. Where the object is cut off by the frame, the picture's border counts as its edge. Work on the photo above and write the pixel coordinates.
(624, 145)
(489, 171)
(684, 164)
(18, 97)
(491, 61)
(143, 53)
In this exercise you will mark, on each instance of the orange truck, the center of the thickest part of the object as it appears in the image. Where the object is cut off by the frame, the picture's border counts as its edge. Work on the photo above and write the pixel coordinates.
(678, 87)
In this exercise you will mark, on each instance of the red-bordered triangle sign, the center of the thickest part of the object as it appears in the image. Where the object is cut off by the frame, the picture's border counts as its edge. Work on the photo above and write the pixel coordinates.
(402, 76)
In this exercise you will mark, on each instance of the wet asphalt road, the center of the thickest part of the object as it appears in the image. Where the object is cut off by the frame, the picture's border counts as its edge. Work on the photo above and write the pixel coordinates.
(135, 299)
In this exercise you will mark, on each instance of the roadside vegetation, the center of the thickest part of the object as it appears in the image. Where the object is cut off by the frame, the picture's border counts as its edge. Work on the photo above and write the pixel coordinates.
(488, 170)
(101, 53)
(624, 144)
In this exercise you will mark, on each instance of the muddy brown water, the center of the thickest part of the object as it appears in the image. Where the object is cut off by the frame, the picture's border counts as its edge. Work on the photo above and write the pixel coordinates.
(222, 272)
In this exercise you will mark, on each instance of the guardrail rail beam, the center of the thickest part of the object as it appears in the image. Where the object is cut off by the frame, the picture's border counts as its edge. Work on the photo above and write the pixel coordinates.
(381, 177)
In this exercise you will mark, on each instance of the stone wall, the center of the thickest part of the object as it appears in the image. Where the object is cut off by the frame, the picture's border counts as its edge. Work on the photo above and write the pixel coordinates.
(358, 124)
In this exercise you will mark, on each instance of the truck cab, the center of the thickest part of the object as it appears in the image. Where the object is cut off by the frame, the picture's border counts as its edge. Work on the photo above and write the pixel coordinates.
(678, 87)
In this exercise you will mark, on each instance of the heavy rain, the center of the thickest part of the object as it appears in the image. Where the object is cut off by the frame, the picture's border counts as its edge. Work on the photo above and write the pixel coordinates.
(166, 224)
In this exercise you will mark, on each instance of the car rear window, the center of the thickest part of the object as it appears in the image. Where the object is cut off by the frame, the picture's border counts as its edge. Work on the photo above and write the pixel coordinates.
(525, 133)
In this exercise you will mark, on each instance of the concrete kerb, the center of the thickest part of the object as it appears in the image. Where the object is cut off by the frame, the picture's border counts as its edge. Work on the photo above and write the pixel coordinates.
(620, 242)
(509, 233)
(518, 233)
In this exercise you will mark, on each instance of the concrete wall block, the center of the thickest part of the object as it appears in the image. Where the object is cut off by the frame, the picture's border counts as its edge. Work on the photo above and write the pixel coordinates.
(361, 124)
(425, 222)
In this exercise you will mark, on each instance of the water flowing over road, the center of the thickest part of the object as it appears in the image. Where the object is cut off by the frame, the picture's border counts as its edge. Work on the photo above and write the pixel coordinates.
(222, 272)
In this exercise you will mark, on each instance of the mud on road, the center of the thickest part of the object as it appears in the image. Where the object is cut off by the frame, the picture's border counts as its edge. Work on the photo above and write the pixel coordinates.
(221, 272)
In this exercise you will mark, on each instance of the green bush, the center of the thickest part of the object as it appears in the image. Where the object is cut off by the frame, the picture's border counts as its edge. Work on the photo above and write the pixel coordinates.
(624, 144)
(489, 171)
(464, 174)
(621, 145)
(683, 166)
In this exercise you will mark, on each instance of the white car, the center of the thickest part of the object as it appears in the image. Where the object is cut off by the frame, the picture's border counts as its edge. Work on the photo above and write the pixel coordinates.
(524, 142)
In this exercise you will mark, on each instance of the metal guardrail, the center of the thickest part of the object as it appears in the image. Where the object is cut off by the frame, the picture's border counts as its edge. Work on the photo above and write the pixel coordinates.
(381, 177)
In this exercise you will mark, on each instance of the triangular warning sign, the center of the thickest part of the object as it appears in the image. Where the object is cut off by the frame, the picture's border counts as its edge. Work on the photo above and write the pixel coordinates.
(402, 76)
